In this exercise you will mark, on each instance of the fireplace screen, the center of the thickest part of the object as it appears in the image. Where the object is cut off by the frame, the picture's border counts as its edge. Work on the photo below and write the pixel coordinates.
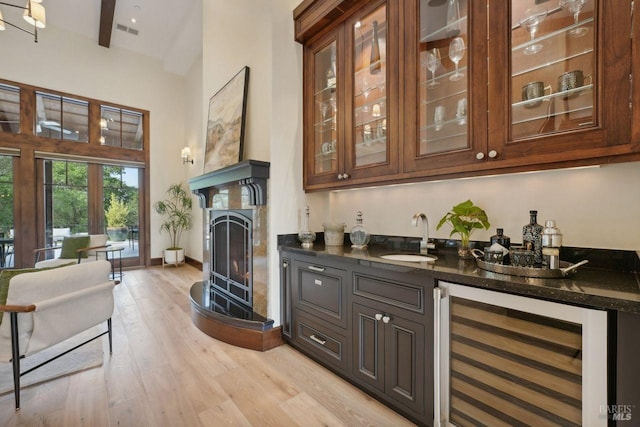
(231, 254)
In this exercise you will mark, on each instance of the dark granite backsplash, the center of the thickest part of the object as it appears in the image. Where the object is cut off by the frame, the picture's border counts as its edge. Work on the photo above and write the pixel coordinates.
(605, 259)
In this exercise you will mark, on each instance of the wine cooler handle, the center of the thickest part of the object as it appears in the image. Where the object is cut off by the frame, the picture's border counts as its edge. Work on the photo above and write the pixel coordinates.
(437, 296)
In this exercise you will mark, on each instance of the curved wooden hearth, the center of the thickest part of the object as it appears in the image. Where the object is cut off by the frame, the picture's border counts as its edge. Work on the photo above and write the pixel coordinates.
(254, 332)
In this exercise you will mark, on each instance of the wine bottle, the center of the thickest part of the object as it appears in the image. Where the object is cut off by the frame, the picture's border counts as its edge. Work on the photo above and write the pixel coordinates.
(331, 71)
(374, 60)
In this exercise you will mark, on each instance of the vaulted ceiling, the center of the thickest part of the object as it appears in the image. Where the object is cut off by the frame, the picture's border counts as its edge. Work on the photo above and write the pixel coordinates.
(168, 30)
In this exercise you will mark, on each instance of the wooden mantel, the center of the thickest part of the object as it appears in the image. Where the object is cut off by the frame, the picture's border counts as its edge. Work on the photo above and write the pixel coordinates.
(252, 174)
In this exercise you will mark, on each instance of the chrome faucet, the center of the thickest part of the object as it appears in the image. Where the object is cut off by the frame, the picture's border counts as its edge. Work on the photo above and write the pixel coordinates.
(424, 243)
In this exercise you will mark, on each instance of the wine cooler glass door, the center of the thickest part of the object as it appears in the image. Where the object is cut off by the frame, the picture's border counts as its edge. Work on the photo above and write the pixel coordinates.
(505, 358)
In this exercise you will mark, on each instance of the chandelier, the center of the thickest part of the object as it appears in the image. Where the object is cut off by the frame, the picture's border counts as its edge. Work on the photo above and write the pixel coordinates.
(34, 14)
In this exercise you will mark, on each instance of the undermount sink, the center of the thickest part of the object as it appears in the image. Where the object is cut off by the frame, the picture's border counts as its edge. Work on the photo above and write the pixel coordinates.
(409, 257)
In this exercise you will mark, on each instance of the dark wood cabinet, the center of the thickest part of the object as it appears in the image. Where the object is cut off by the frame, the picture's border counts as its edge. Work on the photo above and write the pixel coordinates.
(463, 88)
(373, 326)
(388, 355)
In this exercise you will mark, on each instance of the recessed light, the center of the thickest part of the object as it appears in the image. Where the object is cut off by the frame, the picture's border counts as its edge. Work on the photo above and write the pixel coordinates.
(133, 20)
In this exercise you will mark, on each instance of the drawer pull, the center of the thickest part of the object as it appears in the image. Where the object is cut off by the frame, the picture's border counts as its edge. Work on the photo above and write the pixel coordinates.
(378, 316)
(318, 340)
(385, 319)
(318, 282)
(314, 268)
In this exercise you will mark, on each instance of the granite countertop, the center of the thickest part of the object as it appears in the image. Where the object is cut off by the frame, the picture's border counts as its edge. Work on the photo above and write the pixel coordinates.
(602, 288)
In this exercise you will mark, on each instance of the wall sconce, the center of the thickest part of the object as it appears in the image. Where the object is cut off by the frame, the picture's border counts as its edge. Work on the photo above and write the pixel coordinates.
(186, 156)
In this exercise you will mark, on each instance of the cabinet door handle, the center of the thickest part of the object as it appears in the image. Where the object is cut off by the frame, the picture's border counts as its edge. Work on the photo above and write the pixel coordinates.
(480, 155)
(493, 154)
(340, 176)
(318, 340)
(385, 319)
(345, 176)
(314, 268)
(378, 316)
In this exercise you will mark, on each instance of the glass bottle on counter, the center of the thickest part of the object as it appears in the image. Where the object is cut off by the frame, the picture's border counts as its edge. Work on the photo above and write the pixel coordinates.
(532, 237)
(306, 236)
(359, 235)
(501, 239)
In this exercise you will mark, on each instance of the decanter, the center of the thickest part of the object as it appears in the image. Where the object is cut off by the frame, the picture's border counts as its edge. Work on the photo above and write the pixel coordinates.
(532, 237)
(359, 235)
(501, 239)
(306, 236)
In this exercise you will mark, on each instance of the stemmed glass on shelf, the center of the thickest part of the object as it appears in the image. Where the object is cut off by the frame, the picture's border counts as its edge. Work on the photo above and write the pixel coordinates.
(433, 63)
(456, 52)
(531, 20)
(575, 7)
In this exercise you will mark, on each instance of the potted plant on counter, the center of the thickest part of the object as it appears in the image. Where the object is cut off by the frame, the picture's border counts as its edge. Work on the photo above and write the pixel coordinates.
(176, 212)
(464, 218)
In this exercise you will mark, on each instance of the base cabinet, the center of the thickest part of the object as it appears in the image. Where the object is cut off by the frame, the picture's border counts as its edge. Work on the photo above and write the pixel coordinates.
(387, 355)
(371, 326)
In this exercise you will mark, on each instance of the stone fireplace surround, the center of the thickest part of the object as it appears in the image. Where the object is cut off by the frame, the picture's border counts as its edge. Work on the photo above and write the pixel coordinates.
(242, 186)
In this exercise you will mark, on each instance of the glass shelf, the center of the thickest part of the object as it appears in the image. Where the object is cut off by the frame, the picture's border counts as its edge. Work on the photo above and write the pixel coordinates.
(443, 138)
(550, 42)
(444, 78)
(445, 97)
(322, 92)
(553, 62)
(446, 124)
(445, 32)
(325, 124)
(569, 93)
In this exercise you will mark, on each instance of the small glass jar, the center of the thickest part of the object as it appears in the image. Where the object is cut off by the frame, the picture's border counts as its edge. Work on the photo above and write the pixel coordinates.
(359, 235)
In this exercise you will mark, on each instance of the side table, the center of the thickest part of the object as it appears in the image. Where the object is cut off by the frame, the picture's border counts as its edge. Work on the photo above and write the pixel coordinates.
(115, 250)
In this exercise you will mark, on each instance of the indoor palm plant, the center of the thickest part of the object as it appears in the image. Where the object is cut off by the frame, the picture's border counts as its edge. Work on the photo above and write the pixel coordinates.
(464, 218)
(176, 212)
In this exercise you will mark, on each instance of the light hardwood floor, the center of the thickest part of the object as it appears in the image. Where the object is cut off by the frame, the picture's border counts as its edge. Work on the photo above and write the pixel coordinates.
(166, 372)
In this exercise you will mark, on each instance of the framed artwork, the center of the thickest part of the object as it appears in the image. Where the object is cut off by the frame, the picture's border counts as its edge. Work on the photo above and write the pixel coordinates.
(225, 124)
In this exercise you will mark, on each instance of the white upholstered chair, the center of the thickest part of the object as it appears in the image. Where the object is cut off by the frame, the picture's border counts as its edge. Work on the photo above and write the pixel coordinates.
(46, 307)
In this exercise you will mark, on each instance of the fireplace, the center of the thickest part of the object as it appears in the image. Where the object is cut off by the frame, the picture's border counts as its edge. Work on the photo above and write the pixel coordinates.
(231, 301)
(231, 254)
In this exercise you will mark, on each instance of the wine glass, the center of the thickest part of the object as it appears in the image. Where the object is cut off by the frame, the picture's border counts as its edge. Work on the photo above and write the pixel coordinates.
(366, 90)
(433, 62)
(456, 52)
(575, 7)
(531, 20)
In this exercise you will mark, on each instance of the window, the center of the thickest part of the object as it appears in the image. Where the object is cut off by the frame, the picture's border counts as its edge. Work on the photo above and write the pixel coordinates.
(9, 109)
(121, 128)
(59, 117)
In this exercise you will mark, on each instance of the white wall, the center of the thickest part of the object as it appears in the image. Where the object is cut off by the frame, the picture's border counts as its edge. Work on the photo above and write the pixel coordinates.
(73, 64)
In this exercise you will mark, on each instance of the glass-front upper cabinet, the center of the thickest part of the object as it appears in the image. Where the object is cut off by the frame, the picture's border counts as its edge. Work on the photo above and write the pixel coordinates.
(565, 85)
(350, 111)
(325, 114)
(369, 82)
(448, 45)
(321, 111)
(553, 67)
(371, 144)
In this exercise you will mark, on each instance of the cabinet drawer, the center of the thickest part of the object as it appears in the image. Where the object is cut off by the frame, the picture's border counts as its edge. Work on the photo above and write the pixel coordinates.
(398, 294)
(324, 343)
(321, 291)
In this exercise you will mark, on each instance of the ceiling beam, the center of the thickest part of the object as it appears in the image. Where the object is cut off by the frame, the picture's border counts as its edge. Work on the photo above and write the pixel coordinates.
(107, 10)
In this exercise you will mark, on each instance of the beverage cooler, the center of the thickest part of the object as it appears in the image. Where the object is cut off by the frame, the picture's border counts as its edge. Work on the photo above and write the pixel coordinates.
(503, 360)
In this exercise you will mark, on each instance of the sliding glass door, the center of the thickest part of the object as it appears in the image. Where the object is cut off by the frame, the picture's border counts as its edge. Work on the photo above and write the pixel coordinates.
(87, 198)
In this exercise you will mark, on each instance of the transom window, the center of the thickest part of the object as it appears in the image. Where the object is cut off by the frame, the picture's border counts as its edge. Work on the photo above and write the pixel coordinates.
(60, 117)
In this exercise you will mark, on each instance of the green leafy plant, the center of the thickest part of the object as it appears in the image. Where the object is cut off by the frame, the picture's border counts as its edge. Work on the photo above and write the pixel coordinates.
(176, 210)
(117, 213)
(464, 218)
